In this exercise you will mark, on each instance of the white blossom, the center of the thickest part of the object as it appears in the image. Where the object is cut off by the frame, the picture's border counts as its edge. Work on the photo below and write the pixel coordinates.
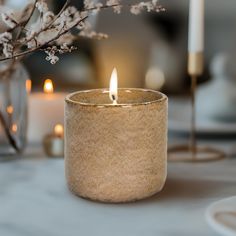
(93, 35)
(34, 28)
(135, 9)
(148, 6)
(97, 8)
(41, 38)
(85, 28)
(51, 52)
(52, 58)
(99, 5)
(84, 25)
(89, 4)
(64, 48)
(47, 18)
(65, 39)
(32, 44)
(7, 50)
(83, 14)
(112, 2)
(155, 2)
(116, 5)
(46, 36)
(42, 6)
(69, 11)
(117, 9)
(5, 37)
(8, 19)
(68, 18)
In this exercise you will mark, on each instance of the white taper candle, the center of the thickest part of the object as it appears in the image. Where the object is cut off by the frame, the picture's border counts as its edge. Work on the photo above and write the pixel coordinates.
(196, 26)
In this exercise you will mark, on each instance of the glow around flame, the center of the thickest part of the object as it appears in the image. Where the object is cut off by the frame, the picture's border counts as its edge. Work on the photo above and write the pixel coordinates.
(10, 109)
(113, 94)
(59, 130)
(48, 86)
(14, 128)
(28, 85)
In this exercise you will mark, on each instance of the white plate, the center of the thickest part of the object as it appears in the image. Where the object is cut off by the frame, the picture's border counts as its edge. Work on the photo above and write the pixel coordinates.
(221, 216)
(180, 117)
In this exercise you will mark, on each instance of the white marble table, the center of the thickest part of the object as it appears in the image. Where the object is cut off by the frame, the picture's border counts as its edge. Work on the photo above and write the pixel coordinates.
(34, 201)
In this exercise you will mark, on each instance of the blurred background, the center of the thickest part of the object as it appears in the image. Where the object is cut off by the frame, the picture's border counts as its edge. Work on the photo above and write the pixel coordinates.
(148, 50)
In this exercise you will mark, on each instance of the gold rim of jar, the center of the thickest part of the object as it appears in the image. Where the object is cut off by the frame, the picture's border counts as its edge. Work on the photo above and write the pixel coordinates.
(159, 100)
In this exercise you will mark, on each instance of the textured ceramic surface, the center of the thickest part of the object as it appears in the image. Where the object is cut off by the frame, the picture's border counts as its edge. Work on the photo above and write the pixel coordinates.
(116, 153)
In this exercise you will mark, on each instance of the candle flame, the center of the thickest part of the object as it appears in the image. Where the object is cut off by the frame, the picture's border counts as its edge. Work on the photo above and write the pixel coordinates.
(48, 86)
(59, 130)
(113, 94)
(14, 128)
(10, 109)
(28, 85)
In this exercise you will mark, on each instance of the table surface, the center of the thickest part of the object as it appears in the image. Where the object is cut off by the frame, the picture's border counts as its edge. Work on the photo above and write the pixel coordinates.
(34, 200)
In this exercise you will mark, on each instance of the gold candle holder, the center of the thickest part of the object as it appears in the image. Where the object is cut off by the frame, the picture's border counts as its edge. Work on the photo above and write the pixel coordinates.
(192, 152)
(116, 152)
(54, 143)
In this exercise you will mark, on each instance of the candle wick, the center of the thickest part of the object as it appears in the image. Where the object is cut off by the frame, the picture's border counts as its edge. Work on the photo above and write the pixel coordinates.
(113, 99)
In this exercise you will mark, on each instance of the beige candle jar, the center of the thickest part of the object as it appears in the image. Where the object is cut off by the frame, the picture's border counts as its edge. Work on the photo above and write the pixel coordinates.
(116, 153)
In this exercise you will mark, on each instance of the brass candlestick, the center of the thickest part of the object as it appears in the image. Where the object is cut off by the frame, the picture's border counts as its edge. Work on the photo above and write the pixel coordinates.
(193, 152)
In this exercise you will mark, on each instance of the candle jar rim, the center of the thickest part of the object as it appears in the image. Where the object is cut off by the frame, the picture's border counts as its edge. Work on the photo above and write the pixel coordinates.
(160, 97)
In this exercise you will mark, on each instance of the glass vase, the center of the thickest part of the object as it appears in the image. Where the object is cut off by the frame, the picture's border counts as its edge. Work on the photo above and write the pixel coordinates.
(14, 86)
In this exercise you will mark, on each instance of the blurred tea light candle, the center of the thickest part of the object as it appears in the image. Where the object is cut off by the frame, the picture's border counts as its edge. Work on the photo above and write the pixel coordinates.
(54, 143)
(116, 143)
(46, 109)
(196, 37)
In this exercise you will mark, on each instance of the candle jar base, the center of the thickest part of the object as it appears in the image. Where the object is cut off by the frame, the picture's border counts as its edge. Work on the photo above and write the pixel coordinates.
(116, 153)
(111, 199)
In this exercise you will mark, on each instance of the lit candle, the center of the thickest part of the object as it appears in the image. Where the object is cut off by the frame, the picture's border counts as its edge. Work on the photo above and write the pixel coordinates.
(196, 37)
(54, 143)
(113, 94)
(115, 147)
(45, 110)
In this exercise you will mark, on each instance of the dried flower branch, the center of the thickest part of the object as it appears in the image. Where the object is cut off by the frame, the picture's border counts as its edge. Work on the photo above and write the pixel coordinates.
(53, 33)
(52, 51)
